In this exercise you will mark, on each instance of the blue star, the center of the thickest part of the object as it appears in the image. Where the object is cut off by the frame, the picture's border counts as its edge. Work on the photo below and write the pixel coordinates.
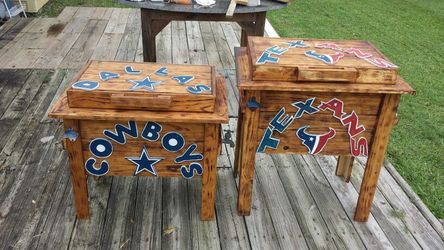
(144, 162)
(145, 83)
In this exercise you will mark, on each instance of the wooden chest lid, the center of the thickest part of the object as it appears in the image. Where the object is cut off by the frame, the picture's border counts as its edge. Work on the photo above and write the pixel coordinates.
(245, 82)
(295, 59)
(144, 86)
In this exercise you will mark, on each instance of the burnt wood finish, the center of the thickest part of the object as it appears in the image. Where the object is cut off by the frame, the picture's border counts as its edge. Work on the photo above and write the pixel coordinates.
(209, 176)
(78, 174)
(116, 93)
(61, 109)
(345, 166)
(386, 120)
(375, 105)
(249, 144)
(293, 65)
(199, 128)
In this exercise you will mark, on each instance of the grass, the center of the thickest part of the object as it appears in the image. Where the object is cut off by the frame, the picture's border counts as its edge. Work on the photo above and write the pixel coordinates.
(411, 34)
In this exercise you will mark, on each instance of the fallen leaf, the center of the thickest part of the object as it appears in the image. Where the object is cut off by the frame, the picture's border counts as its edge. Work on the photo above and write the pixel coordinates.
(46, 139)
(169, 230)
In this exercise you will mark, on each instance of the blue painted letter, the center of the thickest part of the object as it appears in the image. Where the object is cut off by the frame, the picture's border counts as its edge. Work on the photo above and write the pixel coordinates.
(119, 135)
(92, 170)
(183, 79)
(129, 70)
(268, 141)
(173, 141)
(198, 89)
(305, 107)
(280, 124)
(277, 50)
(189, 173)
(101, 147)
(151, 131)
(189, 156)
(105, 76)
(85, 85)
(265, 57)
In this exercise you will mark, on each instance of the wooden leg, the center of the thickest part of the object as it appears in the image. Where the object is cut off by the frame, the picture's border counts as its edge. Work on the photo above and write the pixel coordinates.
(150, 28)
(237, 155)
(345, 166)
(209, 171)
(387, 117)
(244, 36)
(248, 152)
(219, 144)
(78, 174)
(253, 28)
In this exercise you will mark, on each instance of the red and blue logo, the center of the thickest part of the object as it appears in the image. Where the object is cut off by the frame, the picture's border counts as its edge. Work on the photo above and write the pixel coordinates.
(314, 143)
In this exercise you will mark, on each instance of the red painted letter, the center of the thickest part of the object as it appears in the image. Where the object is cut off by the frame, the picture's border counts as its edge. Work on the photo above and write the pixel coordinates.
(359, 148)
(352, 120)
(334, 105)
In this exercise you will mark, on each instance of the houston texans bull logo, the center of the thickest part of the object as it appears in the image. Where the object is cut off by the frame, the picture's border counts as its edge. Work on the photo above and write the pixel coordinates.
(314, 143)
(328, 59)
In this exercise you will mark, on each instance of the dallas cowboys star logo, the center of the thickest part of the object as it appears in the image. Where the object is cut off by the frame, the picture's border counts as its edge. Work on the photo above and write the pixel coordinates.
(145, 83)
(144, 162)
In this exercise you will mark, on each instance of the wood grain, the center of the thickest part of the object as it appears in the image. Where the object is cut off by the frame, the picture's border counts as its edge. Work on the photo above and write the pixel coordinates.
(295, 66)
(243, 72)
(345, 166)
(209, 175)
(78, 175)
(248, 151)
(377, 150)
(220, 115)
(181, 99)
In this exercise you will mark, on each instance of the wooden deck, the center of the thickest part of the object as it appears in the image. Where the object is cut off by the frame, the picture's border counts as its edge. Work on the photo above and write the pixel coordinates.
(298, 201)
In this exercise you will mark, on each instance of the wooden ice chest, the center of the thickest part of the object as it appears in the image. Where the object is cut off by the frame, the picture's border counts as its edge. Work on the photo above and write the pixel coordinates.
(315, 97)
(124, 119)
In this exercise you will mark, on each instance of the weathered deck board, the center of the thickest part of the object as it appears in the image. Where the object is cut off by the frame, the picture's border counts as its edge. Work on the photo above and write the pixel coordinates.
(316, 234)
(147, 232)
(11, 29)
(382, 211)
(120, 214)
(128, 46)
(289, 233)
(85, 45)
(298, 202)
(370, 233)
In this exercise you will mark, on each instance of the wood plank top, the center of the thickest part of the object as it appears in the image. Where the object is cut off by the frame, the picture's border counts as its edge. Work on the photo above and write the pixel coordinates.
(202, 74)
(296, 59)
(245, 82)
(220, 114)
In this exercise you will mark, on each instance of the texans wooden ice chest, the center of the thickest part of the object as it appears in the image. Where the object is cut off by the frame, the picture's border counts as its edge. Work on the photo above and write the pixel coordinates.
(316, 97)
(124, 119)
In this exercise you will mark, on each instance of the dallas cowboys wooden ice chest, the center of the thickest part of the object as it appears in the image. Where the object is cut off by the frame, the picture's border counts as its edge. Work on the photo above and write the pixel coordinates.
(315, 97)
(124, 119)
